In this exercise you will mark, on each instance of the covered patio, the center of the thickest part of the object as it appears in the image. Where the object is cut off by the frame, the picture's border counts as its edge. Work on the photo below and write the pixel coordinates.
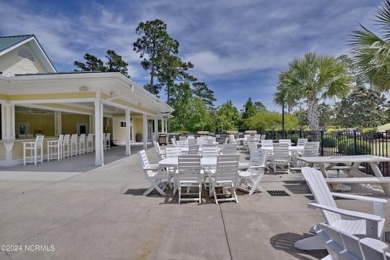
(109, 102)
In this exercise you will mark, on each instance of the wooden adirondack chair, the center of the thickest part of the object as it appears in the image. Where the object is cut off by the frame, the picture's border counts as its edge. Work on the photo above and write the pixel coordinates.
(362, 224)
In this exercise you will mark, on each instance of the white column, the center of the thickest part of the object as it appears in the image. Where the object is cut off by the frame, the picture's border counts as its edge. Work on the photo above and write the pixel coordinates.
(128, 148)
(166, 125)
(8, 129)
(156, 129)
(145, 130)
(57, 123)
(162, 125)
(99, 154)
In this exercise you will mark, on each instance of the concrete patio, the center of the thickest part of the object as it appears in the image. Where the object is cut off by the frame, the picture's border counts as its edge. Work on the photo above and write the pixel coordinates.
(73, 210)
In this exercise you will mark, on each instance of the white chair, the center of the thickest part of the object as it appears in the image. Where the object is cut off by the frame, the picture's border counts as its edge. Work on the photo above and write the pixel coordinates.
(82, 146)
(106, 141)
(361, 224)
(73, 145)
(252, 176)
(229, 149)
(302, 141)
(89, 143)
(285, 141)
(191, 141)
(181, 144)
(193, 149)
(311, 149)
(173, 140)
(158, 178)
(225, 177)
(342, 245)
(159, 151)
(54, 149)
(209, 151)
(172, 151)
(189, 176)
(33, 151)
(281, 158)
(66, 146)
(267, 143)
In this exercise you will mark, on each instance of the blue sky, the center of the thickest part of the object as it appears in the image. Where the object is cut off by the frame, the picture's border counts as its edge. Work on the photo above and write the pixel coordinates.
(238, 47)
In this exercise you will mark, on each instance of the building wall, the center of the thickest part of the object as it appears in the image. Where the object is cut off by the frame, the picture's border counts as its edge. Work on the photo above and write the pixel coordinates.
(43, 124)
(12, 63)
(70, 123)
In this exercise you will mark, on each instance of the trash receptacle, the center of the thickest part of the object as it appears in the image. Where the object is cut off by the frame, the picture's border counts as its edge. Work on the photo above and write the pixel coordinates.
(162, 140)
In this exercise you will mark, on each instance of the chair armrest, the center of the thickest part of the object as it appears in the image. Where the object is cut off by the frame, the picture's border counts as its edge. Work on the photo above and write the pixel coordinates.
(256, 166)
(372, 221)
(377, 203)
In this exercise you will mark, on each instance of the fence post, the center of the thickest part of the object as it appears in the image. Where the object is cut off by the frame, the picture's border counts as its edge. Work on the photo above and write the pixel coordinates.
(354, 143)
(322, 142)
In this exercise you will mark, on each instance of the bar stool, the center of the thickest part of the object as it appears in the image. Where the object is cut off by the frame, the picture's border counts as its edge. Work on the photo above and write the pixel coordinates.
(82, 149)
(54, 149)
(73, 145)
(66, 146)
(89, 143)
(33, 151)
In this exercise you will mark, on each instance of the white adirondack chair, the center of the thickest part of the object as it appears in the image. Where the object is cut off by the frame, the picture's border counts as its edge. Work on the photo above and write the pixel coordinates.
(189, 176)
(342, 245)
(252, 176)
(225, 176)
(362, 224)
(281, 158)
(158, 178)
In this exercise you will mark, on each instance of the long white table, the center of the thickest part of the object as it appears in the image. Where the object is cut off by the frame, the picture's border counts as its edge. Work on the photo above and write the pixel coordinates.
(174, 162)
(353, 161)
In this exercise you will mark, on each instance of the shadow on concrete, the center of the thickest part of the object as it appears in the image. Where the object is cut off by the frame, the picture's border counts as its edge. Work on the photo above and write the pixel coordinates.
(286, 241)
(80, 163)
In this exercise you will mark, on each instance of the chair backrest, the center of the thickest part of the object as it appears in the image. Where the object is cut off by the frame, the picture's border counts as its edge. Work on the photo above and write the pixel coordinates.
(182, 143)
(172, 151)
(182, 138)
(285, 141)
(191, 141)
(90, 138)
(82, 138)
(189, 167)
(173, 140)
(145, 163)
(66, 139)
(258, 157)
(311, 149)
(39, 140)
(267, 143)
(209, 151)
(229, 149)
(281, 151)
(302, 141)
(73, 138)
(193, 149)
(252, 146)
(320, 190)
(232, 139)
(60, 139)
(227, 168)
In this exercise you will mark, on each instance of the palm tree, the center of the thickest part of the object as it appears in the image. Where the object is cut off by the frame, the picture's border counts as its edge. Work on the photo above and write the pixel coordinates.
(312, 78)
(372, 52)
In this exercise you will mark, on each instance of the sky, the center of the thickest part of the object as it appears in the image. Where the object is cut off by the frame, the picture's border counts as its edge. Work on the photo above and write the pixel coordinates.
(238, 47)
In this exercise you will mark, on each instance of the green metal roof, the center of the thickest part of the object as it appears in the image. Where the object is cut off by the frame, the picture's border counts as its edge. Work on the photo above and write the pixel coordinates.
(9, 41)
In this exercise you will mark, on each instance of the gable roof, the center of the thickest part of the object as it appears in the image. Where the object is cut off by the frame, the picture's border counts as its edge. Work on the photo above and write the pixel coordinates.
(9, 43)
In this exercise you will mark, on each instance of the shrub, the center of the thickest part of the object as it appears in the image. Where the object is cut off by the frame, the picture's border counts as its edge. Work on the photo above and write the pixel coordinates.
(347, 147)
(329, 141)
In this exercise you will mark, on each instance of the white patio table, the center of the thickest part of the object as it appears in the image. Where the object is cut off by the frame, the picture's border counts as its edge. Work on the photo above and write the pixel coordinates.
(353, 161)
(174, 162)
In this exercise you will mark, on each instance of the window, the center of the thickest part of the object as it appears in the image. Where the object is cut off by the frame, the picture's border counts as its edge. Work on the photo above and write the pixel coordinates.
(26, 54)
(123, 124)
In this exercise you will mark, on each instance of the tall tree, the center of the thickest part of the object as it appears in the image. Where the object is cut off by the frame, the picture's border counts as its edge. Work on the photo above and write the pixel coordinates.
(227, 117)
(155, 46)
(371, 51)
(202, 91)
(312, 78)
(114, 63)
(362, 108)
(249, 109)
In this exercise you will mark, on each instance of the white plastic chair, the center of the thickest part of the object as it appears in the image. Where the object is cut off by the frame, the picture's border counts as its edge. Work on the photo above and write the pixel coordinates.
(281, 158)
(225, 177)
(267, 143)
(107, 141)
(172, 151)
(158, 178)
(89, 143)
(193, 149)
(66, 146)
(229, 149)
(54, 149)
(252, 176)
(73, 145)
(82, 147)
(362, 224)
(302, 141)
(33, 151)
(285, 141)
(209, 151)
(189, 176)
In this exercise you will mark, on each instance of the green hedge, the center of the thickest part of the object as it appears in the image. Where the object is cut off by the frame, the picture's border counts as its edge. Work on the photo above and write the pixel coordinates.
(329, 141)
(347, 147)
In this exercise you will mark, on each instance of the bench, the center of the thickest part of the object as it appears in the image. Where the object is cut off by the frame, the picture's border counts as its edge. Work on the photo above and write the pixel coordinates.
(383, 181)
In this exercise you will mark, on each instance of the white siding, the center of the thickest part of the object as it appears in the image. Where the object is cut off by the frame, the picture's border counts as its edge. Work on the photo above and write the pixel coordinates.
(12, 63)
